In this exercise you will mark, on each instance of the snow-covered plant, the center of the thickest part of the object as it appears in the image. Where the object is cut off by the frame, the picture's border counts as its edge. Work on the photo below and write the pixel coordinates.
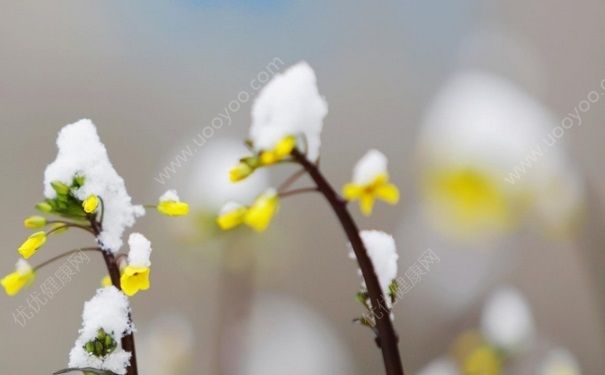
(287, 119)
(84, 192)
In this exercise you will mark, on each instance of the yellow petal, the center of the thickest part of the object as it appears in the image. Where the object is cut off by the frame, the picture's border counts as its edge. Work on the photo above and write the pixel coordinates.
(106, 281)
(259, 215)
(32, 244)
(14, 282)
(284, 147)
(172, 208)
(352, 191)
(231, 218)
(134, 279)
(388, 193)
(366, 204)
(268, 158)
(90, 204)
(282, 150)
(240, 172)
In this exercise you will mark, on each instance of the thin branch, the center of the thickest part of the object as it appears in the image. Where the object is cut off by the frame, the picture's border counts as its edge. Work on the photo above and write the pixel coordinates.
(288, 193)
(55, 258)
(290, 180)
(69, 225)
(387, 338)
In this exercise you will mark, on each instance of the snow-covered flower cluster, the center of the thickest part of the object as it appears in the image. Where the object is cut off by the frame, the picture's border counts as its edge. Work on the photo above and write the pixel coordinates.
(287, 119)
(289, 105)
(84, 192)
(105, 321)
(82, 155)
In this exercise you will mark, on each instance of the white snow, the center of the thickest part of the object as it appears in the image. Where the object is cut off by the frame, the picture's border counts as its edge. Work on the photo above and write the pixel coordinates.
(170, 196)
(140, 250)
(82, 153)
(230, 206)
(506, 320)
(23, 267)
(371, 165)
(383, 253)
(290, 104)
(108, 310)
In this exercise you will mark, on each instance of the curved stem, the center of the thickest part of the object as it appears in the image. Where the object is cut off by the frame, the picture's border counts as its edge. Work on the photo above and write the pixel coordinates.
(387, 338)
(69, 225)
(290, 180)
(55, 258)
(288, 193)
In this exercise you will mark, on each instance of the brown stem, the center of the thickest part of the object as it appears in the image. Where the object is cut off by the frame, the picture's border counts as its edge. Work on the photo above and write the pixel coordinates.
(114, 273)
(387, 338)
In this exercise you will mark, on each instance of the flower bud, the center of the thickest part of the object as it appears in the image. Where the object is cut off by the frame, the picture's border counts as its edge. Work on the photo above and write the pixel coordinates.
(60, 187)
(44, 207)
(90, 204)
(34, 222)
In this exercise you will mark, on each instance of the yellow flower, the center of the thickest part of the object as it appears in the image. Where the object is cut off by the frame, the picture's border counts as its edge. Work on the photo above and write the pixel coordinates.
(464, 201)
(134, 279)
(483, 360)
(261, 212)
(231, 216)
(14, 282)
(106, 281)
(173, 208)
(32, 244)
(90, 204)
(258, 216)
(281, 151)
(240, 172)
(379, 188)
(34, 222)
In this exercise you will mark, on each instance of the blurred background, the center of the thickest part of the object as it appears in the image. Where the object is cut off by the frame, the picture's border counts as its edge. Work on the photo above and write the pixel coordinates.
(457, 94)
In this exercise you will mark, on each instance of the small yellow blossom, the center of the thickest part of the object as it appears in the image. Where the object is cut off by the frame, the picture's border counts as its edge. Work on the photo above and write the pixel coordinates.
(282, 150)
(32, 244)
(483, 360)
(34, 222)
(90, 204)
(134, 279)
(231, 216)
(258, 216)
(173, 208)
(106, 281)
(240, 172)
(261, 212)
(379, 188)
(14, 282)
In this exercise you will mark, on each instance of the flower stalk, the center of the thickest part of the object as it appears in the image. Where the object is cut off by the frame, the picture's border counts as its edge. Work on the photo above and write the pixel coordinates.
(387, 338)
(113, 269)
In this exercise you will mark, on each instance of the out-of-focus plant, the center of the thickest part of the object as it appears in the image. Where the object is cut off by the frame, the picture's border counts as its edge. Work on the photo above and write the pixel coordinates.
(84, 192)
(287, 119)
(506, 333)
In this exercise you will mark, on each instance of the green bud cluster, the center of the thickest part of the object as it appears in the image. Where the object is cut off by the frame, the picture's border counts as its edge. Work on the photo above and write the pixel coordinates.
(102, 345)
(65, 203)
